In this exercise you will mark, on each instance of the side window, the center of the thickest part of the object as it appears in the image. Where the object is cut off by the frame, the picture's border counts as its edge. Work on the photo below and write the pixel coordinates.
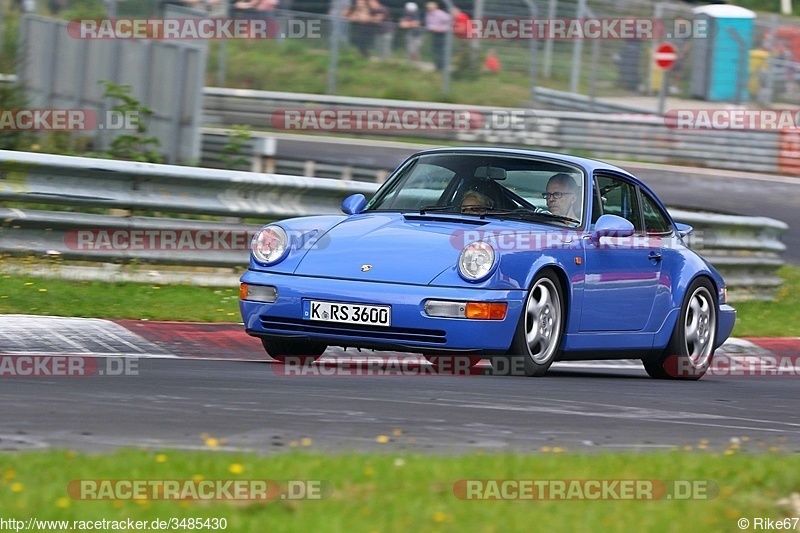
(655, 221)
(619, 198)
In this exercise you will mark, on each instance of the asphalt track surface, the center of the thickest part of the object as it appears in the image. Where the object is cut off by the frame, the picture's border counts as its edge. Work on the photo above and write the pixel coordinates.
(216, 381)
(192, 381)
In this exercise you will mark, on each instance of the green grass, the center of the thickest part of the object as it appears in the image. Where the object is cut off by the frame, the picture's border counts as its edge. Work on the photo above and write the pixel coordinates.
(43, 296)
(402, 492)
(264, 66)
(778, 318)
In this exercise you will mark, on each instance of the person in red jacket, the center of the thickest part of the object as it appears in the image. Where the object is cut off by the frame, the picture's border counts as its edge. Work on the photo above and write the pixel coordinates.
(460, 23)
(491, 64)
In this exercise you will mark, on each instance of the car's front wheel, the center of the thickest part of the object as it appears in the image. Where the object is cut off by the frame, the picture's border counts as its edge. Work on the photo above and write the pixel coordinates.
(691, 347)
(537, 340)
(300, 351)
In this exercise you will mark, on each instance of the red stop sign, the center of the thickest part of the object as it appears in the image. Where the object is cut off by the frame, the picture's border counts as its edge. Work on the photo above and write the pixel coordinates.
(666, 56)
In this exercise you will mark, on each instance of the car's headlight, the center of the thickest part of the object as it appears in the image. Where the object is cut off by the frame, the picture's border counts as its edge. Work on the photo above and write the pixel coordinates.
(476, 260)
(269, 245)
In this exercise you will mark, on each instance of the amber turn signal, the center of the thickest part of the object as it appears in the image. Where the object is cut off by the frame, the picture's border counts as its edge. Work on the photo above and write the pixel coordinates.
(486, 311)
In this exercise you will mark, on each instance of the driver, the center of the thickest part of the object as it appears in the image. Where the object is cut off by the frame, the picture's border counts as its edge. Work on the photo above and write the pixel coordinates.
(562, 195)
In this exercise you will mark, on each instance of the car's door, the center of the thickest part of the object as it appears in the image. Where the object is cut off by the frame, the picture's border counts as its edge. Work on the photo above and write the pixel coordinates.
(622, 273)
(661, 238)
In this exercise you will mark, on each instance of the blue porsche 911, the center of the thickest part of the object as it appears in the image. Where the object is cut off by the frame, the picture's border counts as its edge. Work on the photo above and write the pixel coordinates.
(516, 256)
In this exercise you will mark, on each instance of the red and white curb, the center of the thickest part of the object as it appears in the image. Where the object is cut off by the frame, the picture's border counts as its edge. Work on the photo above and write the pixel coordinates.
(52, 335)
(47, 335)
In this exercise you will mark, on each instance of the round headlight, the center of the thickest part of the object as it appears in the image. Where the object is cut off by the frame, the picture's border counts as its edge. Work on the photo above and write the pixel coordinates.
(269, 244)
(476, 260)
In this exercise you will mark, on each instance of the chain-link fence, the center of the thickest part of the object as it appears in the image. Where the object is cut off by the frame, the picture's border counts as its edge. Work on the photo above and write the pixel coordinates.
(358, 48)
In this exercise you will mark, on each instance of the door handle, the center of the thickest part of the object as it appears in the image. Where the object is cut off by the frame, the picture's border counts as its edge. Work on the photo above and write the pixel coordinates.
(654, 256)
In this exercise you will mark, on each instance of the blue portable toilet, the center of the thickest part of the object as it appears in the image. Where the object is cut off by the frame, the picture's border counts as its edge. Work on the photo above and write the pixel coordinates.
(720, 61)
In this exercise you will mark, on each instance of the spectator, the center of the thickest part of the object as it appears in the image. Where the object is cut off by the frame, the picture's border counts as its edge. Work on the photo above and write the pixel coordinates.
(462, 58)
(361, 26)
(25, 6)
(256, 9)
(437, 21)
(56, 6)
(491, 64)
(383, 30)
(460, 23)
(214, 8)
(411, 24)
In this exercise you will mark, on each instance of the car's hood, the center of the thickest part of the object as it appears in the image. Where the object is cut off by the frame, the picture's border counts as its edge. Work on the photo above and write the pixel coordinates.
(387, 247)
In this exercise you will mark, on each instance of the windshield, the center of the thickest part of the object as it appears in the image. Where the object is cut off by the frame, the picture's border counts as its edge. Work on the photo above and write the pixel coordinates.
(485, 185)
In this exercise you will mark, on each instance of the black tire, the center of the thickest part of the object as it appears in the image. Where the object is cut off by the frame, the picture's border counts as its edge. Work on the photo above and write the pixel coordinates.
(691, 346)
(540, 331)
(304, 352)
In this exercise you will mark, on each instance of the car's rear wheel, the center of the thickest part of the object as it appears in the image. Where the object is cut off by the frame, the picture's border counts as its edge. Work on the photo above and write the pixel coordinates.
(302, 352)
(452, 363)
(691, 347)
(538, 337)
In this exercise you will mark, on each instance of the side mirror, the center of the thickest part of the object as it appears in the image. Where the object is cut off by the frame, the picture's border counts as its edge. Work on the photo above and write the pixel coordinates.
(611, 226)
(354, 204)
(683, 229)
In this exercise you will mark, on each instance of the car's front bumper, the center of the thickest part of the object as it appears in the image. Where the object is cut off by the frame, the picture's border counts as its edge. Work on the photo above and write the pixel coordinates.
(727, 319)
(411, 329)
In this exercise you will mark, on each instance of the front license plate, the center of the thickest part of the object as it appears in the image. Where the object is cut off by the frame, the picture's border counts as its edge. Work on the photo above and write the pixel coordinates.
(372, 315)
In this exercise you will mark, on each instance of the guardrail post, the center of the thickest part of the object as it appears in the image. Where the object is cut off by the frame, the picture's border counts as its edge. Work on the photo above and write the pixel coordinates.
(264, 155)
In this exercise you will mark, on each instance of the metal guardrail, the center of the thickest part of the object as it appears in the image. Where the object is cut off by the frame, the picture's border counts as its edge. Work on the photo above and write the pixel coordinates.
(58, 233)
(86, 182)
(563, 100)
(621, 135)
(745, 249)
(308, 155)
(611, 131)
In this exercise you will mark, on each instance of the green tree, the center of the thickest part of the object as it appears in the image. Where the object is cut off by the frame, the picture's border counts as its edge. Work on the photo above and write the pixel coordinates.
(133, 144)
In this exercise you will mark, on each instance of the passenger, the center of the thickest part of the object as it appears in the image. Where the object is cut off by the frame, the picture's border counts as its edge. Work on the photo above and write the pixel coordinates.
(475, 203)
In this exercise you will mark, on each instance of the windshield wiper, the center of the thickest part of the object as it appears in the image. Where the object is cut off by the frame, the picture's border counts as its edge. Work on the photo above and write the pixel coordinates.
(527, 213)
(436, 208)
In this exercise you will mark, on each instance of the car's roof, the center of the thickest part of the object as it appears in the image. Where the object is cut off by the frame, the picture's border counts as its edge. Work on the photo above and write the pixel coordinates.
(585, 162)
